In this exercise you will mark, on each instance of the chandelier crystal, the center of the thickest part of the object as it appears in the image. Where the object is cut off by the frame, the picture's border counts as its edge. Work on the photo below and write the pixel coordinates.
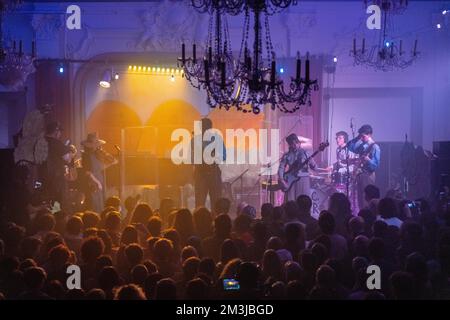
(15, 64)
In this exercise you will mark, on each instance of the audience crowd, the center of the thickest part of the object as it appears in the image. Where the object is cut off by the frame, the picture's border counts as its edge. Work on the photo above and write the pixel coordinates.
(130, 251)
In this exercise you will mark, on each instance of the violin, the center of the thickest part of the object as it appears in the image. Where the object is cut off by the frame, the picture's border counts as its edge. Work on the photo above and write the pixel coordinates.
(105, 157)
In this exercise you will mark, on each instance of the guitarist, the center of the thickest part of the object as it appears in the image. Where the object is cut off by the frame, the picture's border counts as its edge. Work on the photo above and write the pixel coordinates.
(295, 156)
(369, 160)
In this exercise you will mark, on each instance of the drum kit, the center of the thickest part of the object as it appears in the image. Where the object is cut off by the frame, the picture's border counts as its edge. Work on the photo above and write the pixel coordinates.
(323, 185)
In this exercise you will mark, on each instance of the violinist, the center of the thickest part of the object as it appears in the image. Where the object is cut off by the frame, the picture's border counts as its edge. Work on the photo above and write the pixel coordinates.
(95, 160)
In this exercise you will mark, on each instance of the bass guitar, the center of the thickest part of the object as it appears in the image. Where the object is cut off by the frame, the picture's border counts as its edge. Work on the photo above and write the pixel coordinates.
(291, 176)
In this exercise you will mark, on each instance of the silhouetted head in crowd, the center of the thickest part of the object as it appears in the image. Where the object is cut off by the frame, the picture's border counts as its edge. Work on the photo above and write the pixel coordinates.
(30, 247)
(27, 263)
(295, 290)
(339, 205)
(356, 226)
(166, 289)
(134, 254)
(184, 224)
(103, 261)
(360, 246)
(91, 249)
(320, 251)
(267, 212)
(228, 251)
(326, 222)
(129, 235)
(291, 210)
(196, 243)
(379, 229)
(222, 226)
(55, 290)
(222, 206)
(249, 211)
(154, 226)
(108, 279)
(113, 221)
(260, 232)
(387, 208)
(150, 284)
(274, 243)
(163, 250)
(411, 233)
(113, 202)
(129, 292)
(59, 256)
(34, 278)
(75, 294)
(196, 289)
(96, 294)
(45, 223)
(207, 266)
(187, 252)
(295, 235)
(242, 224)
(90, 219)
(190, 268)
(142, 212)
(371, 192)
(247, 275)
(325, 277)
(293, 271)
(278, 213)
(138, 274)
(107, 241)
(272, 266)
(376, 249)
(304, 204)
(74, 226)
(203, 222)
(402, 285)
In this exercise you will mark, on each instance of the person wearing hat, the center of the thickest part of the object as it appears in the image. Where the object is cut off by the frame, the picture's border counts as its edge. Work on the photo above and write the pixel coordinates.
(93, 166)
(368, 153)
(295, 155)
(58, 155)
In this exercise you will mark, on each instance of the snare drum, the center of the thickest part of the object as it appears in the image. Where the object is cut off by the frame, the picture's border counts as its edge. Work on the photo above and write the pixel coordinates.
(338, 178)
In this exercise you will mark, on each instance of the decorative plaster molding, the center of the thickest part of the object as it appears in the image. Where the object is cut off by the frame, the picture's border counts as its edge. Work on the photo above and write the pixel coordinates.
(46, 26)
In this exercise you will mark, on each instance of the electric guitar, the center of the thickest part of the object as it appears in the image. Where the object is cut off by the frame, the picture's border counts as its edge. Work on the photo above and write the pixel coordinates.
(291, 176)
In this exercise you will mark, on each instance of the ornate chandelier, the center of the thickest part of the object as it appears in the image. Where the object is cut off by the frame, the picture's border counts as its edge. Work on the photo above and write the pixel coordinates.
(15, 64)
(235, 7)
(216, 72)
(251, 81)
(386, 54)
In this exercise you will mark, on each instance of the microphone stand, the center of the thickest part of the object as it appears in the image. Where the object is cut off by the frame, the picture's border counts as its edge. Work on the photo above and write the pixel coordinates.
(242, 181)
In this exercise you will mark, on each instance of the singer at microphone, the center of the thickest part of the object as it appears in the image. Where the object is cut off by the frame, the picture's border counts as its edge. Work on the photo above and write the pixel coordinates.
(369, 160)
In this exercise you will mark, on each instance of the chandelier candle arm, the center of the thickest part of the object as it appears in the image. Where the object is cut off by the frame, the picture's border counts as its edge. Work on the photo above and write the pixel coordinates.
(354, 45)
(401, 42)
(363, 45)
(183, 54)
(307, 68)
(415, 48)
(194, 54)
(298, 69)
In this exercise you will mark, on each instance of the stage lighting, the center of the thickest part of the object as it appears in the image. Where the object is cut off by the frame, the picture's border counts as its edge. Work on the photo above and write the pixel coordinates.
(444, 12)
(61, 69)
(116, 76)
(438, 26)
(387, 44)
(281, 70)
(106, 79)
(335, 59)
